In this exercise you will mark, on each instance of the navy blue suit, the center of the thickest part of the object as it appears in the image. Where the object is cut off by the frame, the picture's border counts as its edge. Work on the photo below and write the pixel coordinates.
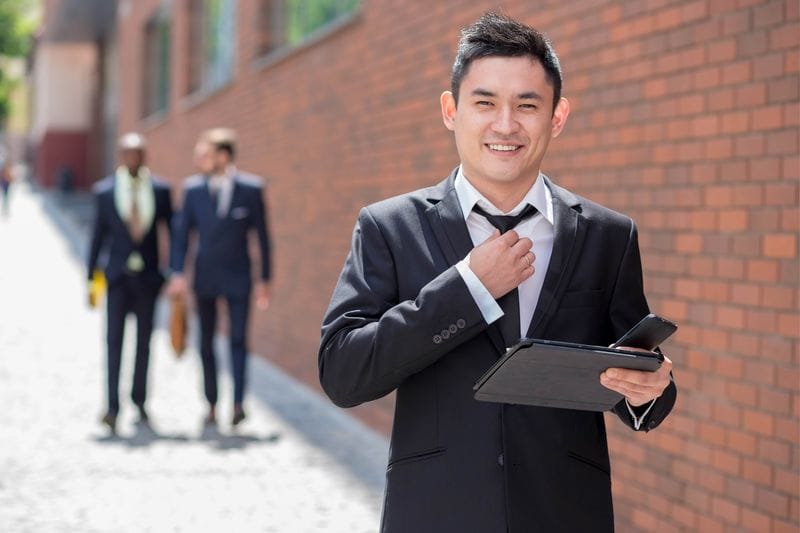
(128, 291)
(222, 266)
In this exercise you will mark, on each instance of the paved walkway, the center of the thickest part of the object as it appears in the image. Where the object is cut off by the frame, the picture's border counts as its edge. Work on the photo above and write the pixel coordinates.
(298, 464)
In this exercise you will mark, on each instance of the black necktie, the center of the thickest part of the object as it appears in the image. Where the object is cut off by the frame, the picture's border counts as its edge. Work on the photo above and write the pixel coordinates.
(509, 303)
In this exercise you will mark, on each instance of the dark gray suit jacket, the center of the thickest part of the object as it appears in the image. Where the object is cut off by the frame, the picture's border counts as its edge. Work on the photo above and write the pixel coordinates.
(457, 464)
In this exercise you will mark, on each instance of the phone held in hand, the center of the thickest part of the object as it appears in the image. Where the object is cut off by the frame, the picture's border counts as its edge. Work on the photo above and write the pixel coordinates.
(648, 333)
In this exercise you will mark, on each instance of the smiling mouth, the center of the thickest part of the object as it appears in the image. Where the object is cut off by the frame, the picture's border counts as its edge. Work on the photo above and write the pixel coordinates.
(504, 147)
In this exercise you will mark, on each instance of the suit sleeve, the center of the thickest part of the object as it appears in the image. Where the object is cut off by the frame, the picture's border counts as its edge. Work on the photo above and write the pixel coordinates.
(99, 230)
(371, 342)
(261, 225)
(628, 306)
(182, 224)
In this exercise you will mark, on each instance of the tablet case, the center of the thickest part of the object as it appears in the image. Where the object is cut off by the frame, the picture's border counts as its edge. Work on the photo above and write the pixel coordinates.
(558, 374)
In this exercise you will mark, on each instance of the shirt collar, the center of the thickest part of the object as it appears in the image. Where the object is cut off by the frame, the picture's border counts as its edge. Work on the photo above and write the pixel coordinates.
(125, 178)
(218, 180)
(539, 196)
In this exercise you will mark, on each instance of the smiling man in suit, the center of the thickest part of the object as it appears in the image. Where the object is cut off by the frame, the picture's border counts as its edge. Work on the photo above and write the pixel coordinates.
(439, 282)
(130, 206)
(223, 205)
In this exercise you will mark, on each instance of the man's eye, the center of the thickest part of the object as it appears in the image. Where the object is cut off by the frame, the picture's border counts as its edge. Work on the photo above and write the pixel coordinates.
(483, 102)
(527, 106)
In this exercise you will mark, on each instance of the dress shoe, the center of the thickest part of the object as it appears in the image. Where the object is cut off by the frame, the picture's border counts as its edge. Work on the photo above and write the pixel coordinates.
(238, 416)
(110, 420)
(143, 418)
(211, 418)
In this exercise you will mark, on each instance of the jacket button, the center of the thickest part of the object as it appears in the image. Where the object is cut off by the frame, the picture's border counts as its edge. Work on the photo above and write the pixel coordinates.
(500, 460)
(445, 334)
(437, 339)
(461, 323)
(453, 328)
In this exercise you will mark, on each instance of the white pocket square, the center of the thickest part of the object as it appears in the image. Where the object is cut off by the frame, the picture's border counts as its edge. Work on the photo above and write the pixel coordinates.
(239, 212)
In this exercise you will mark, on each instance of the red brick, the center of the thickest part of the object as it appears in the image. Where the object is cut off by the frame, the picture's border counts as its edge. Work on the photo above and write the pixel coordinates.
(775, 452)
(782, 90)
(725, 510)
(762, 270)
(783, 37)
(780, 245)
(757, 472)
(773, 502)
(768, 15)
(754, 520)
(768, 118)
(743, 442)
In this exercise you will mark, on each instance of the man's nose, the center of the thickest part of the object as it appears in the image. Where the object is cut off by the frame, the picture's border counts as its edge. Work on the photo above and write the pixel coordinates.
(505, 121)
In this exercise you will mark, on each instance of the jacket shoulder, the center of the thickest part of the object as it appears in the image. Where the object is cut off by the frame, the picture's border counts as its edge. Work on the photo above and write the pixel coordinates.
(250, 180)
(195, 181)
(402, 204)
(592, 211)
(103, 186)
(159, 183)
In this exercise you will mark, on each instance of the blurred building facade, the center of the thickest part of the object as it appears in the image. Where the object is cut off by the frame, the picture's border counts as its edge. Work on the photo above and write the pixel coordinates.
(684, 116)
(70, 75)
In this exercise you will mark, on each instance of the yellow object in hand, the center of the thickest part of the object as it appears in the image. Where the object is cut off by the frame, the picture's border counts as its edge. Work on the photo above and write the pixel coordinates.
(97, 288)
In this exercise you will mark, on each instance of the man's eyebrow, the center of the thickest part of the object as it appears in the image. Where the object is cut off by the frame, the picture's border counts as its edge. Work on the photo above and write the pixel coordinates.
(529, 95)
(483, 92)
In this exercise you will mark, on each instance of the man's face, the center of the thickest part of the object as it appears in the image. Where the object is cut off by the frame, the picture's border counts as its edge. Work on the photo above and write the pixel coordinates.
(504, 120)
(132, 159)
(204, 158)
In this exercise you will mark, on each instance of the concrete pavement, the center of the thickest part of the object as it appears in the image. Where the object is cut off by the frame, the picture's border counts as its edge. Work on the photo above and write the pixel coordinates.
(298, 464)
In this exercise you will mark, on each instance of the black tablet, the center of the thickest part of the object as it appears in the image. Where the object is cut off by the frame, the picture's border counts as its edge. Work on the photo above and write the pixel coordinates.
(559, 374)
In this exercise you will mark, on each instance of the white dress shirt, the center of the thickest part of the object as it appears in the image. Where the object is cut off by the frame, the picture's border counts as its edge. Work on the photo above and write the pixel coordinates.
(124, 189)
(538, 229)
(222, 185)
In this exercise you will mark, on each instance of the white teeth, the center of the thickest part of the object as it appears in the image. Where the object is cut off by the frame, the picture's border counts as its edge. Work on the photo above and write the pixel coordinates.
(503, 147)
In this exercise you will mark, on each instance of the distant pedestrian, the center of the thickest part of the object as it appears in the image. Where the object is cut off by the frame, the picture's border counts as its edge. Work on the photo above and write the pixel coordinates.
(130, 205)
(5, 183)
(223, 205)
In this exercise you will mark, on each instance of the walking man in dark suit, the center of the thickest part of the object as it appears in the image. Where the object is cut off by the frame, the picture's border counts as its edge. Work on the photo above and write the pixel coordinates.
(223, 205)
(131, 204)
(437, 285)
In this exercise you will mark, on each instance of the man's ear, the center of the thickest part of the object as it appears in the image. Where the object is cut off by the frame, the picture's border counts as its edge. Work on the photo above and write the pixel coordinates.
(560, 115)
(448, 110)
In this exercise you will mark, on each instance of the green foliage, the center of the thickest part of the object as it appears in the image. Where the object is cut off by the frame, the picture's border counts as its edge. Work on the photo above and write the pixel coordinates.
(305, 16)
(16, 27)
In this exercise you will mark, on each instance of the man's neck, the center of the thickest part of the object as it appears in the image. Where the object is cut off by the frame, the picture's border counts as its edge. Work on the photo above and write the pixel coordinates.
(504, 196)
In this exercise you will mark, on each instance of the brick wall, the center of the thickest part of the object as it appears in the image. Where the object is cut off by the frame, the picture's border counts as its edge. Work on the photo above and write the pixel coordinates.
(684, 116)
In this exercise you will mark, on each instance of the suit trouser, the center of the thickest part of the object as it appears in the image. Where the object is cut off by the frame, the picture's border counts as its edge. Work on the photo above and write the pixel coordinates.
(238, 311)
(129, 295)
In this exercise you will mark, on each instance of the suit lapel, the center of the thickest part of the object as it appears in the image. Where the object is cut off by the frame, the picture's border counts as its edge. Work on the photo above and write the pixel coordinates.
(448, 222)
(569, 233)
(450, 230)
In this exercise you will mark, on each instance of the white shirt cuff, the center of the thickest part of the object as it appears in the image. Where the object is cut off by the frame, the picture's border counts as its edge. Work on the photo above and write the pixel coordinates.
(637, 421)
(488, 306)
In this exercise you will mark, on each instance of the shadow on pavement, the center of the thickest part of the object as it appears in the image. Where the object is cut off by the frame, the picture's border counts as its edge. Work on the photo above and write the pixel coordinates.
(145, 435)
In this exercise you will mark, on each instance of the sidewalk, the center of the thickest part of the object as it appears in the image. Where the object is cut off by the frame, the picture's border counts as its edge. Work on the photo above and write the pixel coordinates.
(298, 464)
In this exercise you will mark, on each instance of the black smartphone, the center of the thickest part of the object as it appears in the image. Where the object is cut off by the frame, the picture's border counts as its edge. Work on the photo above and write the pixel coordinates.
(648, 333)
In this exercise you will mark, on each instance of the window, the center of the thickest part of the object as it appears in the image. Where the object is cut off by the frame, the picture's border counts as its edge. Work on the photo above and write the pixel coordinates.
(289, 22)
(155, 70)
(211, 43)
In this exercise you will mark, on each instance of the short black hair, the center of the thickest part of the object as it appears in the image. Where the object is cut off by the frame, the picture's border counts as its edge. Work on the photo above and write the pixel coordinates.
(495, 35)
(225, 146)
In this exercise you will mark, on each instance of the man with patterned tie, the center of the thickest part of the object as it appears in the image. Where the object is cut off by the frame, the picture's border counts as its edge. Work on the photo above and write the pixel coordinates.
(439, 282)
(131, 206)
(224, 206)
